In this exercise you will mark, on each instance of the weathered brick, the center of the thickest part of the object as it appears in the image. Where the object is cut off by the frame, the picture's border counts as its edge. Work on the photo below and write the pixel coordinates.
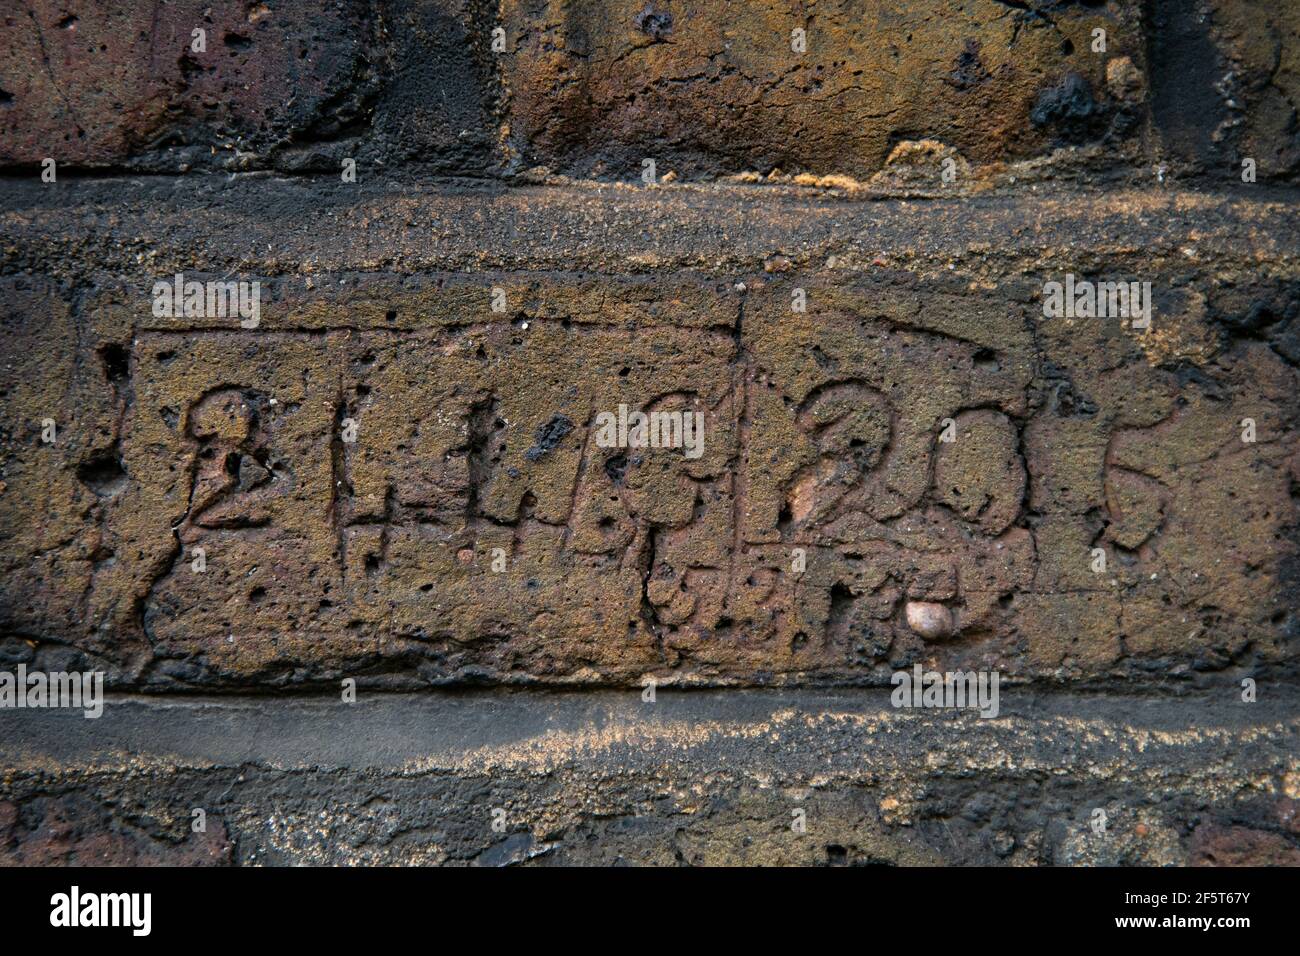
(73, 830)
(1225, 84)
(476, 442)
(596, 87)
(295, 84)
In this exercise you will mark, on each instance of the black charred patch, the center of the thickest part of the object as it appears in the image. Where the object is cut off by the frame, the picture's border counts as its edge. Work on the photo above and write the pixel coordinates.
(654, 24)
(968, 71)
(616, 468)
(548, 436)
(1070, 109)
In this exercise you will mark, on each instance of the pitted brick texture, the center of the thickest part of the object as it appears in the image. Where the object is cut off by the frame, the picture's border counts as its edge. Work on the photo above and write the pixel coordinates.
(465, 535)
(298, 85)
(596, 86)
(577, 88)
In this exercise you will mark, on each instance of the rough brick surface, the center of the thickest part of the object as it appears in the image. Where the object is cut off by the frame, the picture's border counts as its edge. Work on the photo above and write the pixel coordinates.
(299, 85)
(94, 83)
(593, 89)
(1226, 83)
(825, 532)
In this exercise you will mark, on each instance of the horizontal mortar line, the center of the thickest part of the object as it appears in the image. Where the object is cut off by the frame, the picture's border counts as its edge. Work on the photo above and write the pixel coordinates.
(917, 272)
(1046, 258)
(462, 710)
(761, 732)
(270, 327)
(410, 188)
(694, 226)
(1284, 686)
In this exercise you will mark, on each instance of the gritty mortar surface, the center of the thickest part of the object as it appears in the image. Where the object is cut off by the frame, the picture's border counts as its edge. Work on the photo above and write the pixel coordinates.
(691, 777)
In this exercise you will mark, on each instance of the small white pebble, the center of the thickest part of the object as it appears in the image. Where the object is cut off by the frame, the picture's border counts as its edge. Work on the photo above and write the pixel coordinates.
(929, 619)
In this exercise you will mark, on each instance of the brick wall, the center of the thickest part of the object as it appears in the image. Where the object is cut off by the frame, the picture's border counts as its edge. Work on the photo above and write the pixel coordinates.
(479, 231)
